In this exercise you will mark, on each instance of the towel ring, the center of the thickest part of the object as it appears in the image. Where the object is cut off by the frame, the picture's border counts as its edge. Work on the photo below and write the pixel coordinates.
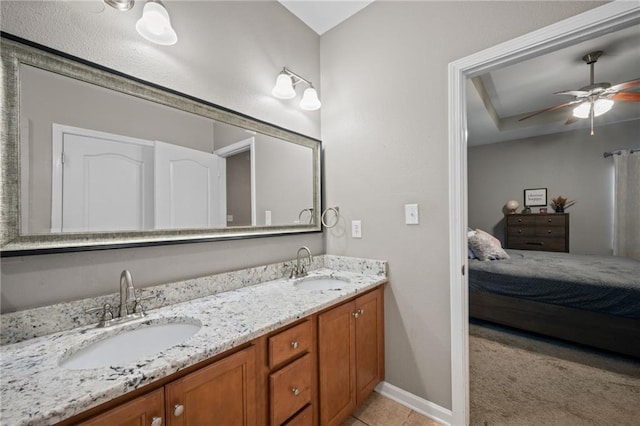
(310, 215)
(336, 211)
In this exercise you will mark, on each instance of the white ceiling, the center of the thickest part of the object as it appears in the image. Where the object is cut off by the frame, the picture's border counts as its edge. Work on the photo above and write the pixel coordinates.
(322, 15)
(528, 86)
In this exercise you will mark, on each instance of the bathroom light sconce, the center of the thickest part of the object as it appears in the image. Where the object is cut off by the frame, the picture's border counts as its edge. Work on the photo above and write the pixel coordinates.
(154, 25)
(285, 89)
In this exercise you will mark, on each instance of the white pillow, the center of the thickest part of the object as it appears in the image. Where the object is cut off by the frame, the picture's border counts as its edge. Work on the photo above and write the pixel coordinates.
(485, 248)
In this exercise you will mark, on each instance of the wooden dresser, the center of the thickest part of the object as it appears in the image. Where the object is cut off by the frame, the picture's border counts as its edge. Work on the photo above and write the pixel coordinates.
(544, 232)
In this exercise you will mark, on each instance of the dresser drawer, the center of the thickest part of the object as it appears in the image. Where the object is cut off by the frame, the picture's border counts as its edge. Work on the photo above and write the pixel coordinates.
(303, 418)
(537, 243)
(289, 344)
(550, 220)
(550, 231)
(521, 220)
(521, 231)
(290, 389)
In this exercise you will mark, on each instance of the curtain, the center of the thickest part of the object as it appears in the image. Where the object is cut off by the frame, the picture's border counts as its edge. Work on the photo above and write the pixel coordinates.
(626, 222)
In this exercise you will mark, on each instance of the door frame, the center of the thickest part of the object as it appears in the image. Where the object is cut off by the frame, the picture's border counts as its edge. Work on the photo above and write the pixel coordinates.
(593, 23)
(248, 144)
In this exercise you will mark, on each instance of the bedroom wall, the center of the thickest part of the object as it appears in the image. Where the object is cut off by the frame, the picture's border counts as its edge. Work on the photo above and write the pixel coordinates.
(384, 129)
(228, 53)
(568, 164)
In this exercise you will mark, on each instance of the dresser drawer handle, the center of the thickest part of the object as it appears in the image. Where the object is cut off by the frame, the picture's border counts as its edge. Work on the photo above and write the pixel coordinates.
(535, 243)
(549, 231)
(519, 220)
(295, 391)
(295, 344)
(549, 220)
(519, 231)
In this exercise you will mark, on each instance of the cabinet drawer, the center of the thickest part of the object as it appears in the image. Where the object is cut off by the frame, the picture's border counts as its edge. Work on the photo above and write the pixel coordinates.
(290, 389)
(521, 220)
(290, 343)
(550, 231)
(537, 243)
(521, 231)
(550, 220)
(303, 418)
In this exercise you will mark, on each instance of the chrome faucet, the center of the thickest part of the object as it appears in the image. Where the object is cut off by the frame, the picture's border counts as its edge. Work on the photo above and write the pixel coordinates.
(299, 270)
(127, 297)
(127, 293)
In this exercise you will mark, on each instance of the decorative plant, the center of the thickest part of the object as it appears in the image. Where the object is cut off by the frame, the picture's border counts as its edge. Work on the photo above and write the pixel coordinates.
(560, 203)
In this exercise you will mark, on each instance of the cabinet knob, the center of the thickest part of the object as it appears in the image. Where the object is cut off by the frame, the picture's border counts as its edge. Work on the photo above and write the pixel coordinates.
(549, 231)
(355, 314)
(156, 421)
(519, 220)
(178, 409)
(295, 391)
(295, 344)
(519, 231)
(549, 220)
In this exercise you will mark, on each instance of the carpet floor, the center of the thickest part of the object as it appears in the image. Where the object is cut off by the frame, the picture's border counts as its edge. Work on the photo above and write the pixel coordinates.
(518, 378)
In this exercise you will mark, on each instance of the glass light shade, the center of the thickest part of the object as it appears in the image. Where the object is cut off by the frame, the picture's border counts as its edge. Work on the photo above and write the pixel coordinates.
(284, 87)
(600, 107)
(155, 25)
(310, 101)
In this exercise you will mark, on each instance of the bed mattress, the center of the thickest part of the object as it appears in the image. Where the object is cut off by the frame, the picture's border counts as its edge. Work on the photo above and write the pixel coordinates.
(605, 284)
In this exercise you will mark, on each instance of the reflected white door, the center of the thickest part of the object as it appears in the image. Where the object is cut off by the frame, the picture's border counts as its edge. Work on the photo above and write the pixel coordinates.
(106, 183)
(190, 188)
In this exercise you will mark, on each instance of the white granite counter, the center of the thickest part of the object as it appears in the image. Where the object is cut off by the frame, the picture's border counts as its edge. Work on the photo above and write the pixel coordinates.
(36, 390)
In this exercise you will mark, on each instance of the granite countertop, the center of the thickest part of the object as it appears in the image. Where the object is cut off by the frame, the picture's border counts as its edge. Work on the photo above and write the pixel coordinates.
(36, 390)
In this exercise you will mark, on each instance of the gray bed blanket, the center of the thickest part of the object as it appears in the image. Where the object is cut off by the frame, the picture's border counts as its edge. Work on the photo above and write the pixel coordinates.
(606, 284)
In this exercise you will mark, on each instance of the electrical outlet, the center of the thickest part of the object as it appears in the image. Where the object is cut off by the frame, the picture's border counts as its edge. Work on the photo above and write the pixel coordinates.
(411, 216)
(356, 229)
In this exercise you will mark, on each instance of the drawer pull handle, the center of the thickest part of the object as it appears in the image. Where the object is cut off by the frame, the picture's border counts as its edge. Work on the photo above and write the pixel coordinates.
(519, 220)
(295, 344)
(295, 391)
(535, 243)
(156, 421)
(549, 231)
(549, 220)
(178, 409)
(519, 231)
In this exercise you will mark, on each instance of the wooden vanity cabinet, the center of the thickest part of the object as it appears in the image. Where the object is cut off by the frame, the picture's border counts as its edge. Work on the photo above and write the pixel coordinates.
(221, 394)
(350, 355)
(144, 410)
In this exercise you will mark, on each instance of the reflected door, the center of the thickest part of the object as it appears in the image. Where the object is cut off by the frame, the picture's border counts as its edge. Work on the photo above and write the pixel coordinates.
(189, 188)
(105, 184)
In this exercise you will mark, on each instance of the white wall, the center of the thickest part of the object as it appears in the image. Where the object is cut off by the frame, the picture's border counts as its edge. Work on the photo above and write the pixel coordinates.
(568, 164)
(228, 53)
(384, 129)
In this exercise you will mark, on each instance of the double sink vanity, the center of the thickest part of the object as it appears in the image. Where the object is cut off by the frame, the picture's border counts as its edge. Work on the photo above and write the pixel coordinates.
(260, 348)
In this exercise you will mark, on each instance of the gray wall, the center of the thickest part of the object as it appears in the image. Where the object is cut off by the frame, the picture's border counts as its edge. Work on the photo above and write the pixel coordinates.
(384, 129)
(568, 164)
(228, 53)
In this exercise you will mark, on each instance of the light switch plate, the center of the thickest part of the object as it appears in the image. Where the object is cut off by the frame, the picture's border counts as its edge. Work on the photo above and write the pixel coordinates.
(411, 216)
(356, 229)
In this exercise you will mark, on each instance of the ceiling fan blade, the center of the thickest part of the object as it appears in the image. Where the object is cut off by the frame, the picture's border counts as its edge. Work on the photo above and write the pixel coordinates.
(571, 120)
(553, 108)
(626, 96)
(624, 86)
(576, 93)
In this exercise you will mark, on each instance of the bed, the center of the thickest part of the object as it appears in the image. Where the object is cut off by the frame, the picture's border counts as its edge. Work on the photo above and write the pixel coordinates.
(587, 299)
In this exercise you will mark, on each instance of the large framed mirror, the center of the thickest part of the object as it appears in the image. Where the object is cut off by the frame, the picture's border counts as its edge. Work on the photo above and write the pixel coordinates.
(94, 159)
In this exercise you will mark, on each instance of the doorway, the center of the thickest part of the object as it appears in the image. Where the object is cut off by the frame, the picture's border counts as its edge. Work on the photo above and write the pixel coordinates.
(609, 17)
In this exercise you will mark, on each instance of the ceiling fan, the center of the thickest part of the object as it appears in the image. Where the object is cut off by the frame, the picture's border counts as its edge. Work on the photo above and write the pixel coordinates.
(596, 98)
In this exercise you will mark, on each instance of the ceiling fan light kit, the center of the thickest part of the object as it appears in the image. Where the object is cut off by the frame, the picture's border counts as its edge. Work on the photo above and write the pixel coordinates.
(595, 99)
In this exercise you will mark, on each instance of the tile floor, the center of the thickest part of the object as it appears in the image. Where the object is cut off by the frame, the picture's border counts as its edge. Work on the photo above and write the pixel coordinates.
(381, 411)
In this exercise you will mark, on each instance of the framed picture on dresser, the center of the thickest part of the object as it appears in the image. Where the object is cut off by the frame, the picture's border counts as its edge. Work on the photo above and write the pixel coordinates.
(536, 197)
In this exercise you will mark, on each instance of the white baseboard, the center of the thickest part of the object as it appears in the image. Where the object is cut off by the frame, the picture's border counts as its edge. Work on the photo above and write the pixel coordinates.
(416, 403)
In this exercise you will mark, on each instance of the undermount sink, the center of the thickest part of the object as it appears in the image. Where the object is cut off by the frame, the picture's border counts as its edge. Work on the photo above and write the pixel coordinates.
(319, 283)
(130, 345)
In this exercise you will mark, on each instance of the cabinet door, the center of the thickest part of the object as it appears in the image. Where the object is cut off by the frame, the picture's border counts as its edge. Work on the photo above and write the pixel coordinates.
(223, 393)
(142, 411)
(336, 358)
(369, 343)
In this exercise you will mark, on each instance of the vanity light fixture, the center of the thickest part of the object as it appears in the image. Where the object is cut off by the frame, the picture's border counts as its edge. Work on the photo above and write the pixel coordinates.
(154, 25)
(285, 89)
